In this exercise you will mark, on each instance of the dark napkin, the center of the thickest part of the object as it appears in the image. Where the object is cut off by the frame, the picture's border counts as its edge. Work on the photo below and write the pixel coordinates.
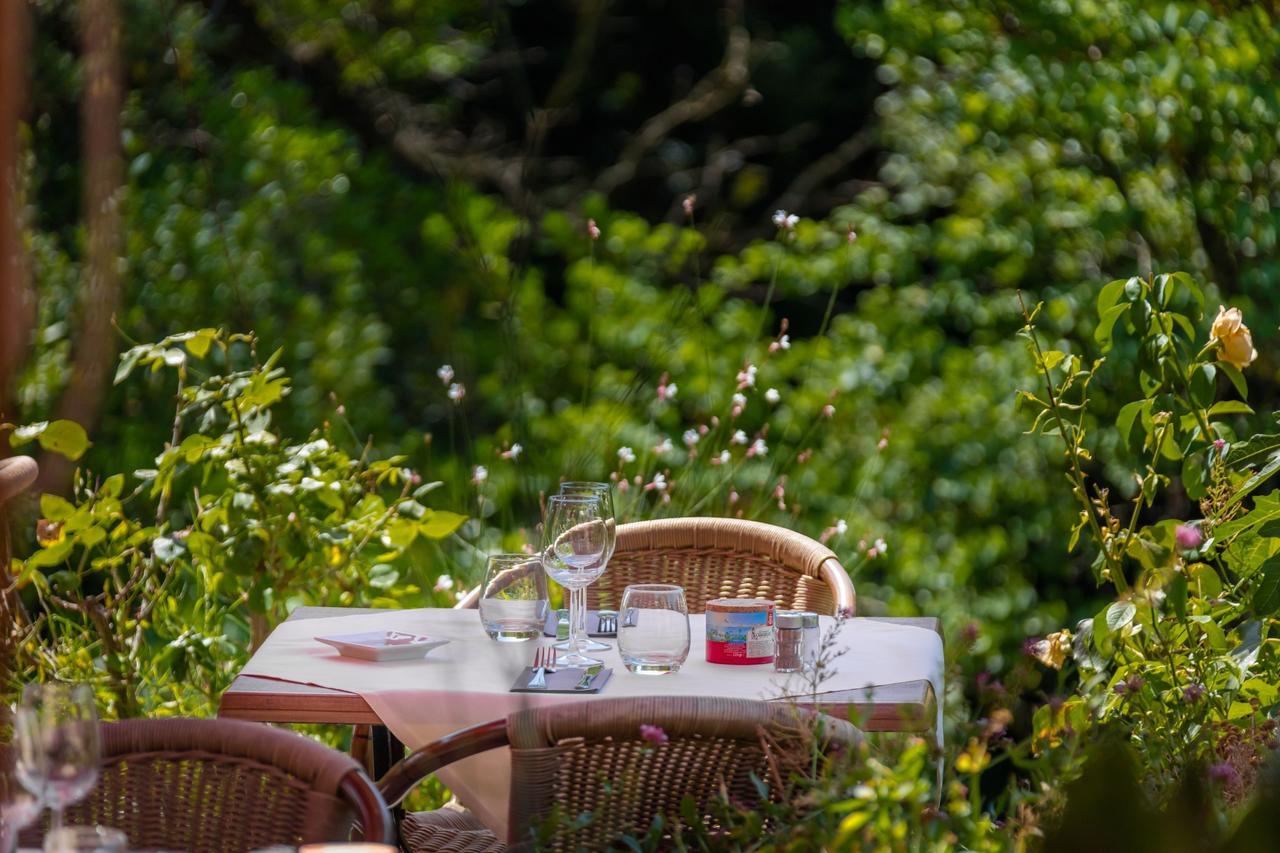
(561, 681)
(593, 624)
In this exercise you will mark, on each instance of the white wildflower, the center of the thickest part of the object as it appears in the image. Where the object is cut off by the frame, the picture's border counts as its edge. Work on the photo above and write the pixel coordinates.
(739, 437)
(445, 372)
(444, 583)
(479, 475)
(457, 391)
(690, 437)
(772, 396)
(626, 454)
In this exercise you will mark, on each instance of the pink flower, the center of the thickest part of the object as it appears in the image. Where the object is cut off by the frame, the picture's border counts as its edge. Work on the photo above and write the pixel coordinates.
(1219, 443)
(733, 496)
(654, 734)
(593, 231)
(689, 201)
(1224, 774)
(747, 376)
(1188, 537)
(513, 451)
(666, 391)
(828, 411)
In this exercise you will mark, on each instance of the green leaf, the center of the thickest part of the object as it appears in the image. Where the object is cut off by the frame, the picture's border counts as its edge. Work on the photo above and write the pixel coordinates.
(1109, 295)
(65, 437)
(1195, 476)
(1053, 358)
(438, 524)
(1203, 580)
(55, 508)
(1102, 334)
(1203, 386)
(1230, 407)
(401, 532)
(1237, 378)
(51, 556)
(128, 361)
(1178, 595)
(1266, 595)
(1120, 614)
(1128, 414)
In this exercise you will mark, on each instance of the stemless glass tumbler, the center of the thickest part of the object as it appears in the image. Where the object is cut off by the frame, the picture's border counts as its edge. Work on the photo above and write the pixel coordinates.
(575, 548)
(653, 628)
(513, 598)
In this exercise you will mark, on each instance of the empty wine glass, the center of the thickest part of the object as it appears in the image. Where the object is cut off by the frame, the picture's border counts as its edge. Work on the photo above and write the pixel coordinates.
(575, 544)
(513, 598)
(56, 739)
(653, 628)
(605, 492)
(19, 808)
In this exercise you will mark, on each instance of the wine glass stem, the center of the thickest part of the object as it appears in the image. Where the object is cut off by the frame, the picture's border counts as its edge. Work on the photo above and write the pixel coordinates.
(577, 619)
(55, 818)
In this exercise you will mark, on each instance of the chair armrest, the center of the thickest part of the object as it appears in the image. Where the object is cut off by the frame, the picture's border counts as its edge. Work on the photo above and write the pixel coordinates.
(376, 823)
(841, 585)
(402, 778)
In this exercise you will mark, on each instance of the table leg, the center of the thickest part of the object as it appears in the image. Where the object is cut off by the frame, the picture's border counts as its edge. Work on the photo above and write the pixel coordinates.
(386, 751)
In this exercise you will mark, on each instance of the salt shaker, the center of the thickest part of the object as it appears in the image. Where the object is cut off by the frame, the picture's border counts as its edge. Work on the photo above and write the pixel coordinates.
(812, 641)
(789, 653)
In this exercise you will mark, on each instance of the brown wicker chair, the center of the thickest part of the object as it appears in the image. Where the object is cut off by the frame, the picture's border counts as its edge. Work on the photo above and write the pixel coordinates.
(567, 754)
(225, 785)
(722, 558)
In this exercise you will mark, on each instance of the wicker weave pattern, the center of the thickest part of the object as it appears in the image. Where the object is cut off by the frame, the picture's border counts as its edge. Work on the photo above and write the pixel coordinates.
(591, 757)
(725, 558)
(215, 785)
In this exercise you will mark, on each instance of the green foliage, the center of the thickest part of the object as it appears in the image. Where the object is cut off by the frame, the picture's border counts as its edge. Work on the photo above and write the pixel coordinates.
(154, 585)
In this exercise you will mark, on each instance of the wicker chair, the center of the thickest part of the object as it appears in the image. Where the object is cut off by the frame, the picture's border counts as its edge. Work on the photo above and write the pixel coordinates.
(225, 785)
(722, 558)
(567, 754)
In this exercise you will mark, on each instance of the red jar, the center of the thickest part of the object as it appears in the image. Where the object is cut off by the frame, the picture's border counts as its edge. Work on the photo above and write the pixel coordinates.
(740, 631)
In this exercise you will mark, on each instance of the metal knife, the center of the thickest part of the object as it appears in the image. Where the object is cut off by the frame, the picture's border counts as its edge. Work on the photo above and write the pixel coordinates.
(587, 677)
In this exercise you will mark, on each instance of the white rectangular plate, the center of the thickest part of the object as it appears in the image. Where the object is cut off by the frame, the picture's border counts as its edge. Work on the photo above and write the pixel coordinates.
(382, 645)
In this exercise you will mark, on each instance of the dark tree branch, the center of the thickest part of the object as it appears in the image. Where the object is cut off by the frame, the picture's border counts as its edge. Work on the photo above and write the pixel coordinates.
(720, 88)
(824, 169)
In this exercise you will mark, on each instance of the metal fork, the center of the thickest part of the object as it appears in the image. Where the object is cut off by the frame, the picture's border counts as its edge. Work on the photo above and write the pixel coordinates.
(544, 661)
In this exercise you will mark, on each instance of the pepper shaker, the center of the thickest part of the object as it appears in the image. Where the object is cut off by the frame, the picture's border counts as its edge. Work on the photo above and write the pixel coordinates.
(789, 654)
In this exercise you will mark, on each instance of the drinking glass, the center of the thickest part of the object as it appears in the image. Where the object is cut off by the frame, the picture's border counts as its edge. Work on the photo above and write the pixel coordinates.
(513, 598)
(56, 740)
(653, 628)
(86, 839)
(19, 808)
(575, 544)
(605, 492)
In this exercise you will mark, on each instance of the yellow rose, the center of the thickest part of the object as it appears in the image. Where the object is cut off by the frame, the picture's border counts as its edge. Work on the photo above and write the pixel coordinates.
(1235, 344)
(1052, 650)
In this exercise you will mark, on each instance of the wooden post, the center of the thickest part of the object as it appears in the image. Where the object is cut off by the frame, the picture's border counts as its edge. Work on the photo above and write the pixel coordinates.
(95, 345)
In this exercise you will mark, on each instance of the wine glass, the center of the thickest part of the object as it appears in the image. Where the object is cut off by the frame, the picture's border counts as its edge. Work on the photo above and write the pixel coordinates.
(513, 598)
(605, 492)
(19, 808)
(575, 545)
(56, 739)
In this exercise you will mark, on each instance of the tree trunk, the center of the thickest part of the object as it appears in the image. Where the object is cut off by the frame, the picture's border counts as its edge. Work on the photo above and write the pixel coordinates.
(95, 346)
(16, 303)
(15, 297)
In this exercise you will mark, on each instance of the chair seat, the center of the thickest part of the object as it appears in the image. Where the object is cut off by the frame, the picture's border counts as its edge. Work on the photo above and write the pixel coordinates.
(451, 828)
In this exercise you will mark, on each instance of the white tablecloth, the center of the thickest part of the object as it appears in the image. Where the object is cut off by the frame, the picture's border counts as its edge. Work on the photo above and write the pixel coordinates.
(468, 681)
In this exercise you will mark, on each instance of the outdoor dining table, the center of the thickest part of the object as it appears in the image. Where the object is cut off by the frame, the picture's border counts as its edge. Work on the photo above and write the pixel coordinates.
(294, 679)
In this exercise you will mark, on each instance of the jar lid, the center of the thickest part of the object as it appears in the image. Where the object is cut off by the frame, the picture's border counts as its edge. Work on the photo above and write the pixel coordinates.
(790, 619)
(735, 605)
(810, 619)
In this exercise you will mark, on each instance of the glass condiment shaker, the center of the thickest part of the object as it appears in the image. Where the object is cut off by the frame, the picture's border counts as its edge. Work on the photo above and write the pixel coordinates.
(789, 642)
(812, 641)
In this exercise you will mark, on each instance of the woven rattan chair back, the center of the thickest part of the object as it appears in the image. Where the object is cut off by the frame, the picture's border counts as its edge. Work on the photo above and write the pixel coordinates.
(225, 785)
(725, 558)
(592, 757)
